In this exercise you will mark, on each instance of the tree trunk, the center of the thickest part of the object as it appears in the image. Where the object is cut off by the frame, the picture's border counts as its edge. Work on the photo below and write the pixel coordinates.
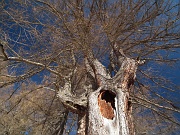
(81, 124)
(109, 107)
(107, 110)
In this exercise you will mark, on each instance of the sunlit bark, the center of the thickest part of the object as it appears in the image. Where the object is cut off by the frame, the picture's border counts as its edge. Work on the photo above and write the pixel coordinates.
(110, 110)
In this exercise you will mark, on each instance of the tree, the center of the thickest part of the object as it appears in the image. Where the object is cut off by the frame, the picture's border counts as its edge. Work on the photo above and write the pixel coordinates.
(92, 58)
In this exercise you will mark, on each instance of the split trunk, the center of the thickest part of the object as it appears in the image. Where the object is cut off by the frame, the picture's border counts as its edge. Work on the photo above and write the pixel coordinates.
(106, 110)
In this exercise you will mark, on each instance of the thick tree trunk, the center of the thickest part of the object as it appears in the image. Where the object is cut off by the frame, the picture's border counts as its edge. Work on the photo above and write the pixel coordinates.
(107, 110)
(109, 107)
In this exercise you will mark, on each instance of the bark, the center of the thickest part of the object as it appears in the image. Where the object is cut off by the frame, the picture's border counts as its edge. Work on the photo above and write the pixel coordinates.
(106, 110)
(81, 124)
(109, 107)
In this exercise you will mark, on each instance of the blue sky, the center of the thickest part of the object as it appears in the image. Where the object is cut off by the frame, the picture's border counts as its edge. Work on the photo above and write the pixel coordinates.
(171, 72)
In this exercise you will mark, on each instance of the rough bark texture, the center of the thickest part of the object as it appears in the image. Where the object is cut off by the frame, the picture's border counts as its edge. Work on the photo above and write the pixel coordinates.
(110, 106)
(107, 110)
(97, 123)
(81, 125)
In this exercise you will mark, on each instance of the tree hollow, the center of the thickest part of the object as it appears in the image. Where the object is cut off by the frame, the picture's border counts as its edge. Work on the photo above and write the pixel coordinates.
(106, 103)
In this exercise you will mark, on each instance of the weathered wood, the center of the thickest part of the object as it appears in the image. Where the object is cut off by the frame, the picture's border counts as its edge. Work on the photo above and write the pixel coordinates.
(97, 123)
(81, 124)
(106, 110)
(109, 107)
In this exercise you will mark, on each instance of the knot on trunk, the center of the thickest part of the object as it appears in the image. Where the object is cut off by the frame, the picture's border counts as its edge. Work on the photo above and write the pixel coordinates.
(106, 103)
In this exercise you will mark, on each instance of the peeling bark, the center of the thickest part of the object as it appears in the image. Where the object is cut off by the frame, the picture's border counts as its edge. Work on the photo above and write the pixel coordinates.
(97, 123)
(106, 110)
(111, 115)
